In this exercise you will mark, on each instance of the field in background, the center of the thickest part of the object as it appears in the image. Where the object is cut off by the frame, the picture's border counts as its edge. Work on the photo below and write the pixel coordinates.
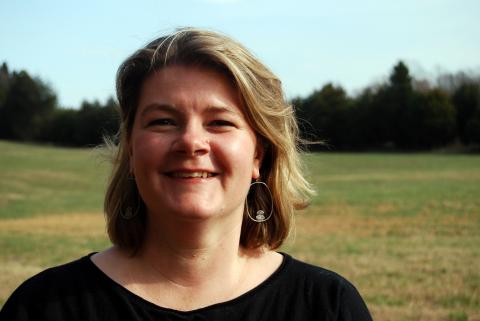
(404, 228)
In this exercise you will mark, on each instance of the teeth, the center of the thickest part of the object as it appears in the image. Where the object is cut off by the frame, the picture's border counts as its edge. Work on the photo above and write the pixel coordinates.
(192, 175)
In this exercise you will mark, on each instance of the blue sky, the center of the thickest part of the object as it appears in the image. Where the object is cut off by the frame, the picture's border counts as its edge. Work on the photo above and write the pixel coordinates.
(77, 46)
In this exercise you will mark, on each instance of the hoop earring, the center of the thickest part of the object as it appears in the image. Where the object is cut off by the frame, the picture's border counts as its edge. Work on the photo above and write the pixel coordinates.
(129, 213)
(260, 213)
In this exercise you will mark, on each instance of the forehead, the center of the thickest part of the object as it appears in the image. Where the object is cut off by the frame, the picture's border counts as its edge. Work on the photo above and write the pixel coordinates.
(189, 86)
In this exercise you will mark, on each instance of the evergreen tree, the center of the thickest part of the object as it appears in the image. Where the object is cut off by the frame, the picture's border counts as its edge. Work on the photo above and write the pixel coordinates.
(467, 104)
(27, 104)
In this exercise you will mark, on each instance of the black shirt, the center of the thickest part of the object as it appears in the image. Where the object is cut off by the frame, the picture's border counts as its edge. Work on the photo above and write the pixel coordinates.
(80, 291)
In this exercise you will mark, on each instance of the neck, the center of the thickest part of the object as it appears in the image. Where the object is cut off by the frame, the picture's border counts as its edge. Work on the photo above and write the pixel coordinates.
(192, 253)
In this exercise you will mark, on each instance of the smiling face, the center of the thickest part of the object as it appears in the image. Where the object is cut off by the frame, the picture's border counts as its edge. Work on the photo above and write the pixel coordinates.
(192, 152)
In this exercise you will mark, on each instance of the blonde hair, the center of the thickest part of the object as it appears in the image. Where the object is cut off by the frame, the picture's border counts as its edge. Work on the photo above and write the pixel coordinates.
(266, 110)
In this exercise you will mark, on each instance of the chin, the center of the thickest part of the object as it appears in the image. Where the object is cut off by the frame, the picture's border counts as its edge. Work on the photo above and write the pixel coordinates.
(196, 212)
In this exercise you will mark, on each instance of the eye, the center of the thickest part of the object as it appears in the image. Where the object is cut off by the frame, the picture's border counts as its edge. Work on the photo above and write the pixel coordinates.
(161, 122)
(221, 122)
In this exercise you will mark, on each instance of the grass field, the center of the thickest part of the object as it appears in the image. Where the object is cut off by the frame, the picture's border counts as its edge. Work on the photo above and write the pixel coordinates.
(404, 228)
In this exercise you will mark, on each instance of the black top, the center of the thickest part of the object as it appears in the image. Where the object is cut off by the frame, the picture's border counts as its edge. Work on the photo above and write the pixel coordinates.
(81, 291)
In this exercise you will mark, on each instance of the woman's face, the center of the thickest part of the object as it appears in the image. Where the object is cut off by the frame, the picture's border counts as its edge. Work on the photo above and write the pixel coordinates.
(192, 152)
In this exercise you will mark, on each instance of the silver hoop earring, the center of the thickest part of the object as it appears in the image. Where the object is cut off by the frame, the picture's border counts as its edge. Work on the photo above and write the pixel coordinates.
(129, 213)
(260, 213)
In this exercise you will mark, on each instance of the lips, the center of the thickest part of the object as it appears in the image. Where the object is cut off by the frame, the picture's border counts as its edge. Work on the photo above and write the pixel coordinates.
(191, 174)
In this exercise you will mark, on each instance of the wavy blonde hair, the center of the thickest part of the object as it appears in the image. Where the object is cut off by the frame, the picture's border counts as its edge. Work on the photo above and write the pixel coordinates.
(266, 110)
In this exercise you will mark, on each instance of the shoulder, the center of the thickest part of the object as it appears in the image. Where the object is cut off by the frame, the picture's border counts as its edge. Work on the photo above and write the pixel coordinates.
(47, 287)
(314, 275)
(57, 277)
(325, 289)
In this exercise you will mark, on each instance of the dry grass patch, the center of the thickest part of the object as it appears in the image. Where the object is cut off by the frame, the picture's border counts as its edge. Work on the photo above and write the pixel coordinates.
(78, 224)
(418, 312)
(32, 244)
(412, 176)
(422, 267)
(9, 197)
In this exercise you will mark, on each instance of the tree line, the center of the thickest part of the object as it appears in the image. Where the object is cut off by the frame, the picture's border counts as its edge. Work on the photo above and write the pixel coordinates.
(401, 113)
(29, 111)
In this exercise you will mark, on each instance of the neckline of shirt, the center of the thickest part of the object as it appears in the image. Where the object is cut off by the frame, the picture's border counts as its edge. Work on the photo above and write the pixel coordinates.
(245, 296)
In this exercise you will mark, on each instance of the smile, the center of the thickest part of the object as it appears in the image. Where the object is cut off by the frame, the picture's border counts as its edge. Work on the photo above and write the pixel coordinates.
(191, 174)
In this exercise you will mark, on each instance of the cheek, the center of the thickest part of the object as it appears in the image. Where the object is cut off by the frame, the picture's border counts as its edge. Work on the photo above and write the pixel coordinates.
(239, 154)
(146, 152)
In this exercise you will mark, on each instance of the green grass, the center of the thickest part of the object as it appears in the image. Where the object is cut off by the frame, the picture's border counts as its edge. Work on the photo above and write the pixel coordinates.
(404, 228)
(46, 180)
(407, 182)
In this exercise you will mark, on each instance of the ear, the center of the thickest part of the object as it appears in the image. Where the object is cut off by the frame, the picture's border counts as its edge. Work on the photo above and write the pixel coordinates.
(257, 160)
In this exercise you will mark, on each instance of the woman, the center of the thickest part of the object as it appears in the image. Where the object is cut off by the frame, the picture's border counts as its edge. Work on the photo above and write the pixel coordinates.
(206, 178)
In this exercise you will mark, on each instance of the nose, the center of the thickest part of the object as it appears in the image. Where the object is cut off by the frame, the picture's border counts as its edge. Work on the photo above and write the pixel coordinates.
(192, 140)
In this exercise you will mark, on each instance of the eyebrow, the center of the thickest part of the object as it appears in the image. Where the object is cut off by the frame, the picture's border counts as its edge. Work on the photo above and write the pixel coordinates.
(162, 107)
(221, 109)
(172, 109)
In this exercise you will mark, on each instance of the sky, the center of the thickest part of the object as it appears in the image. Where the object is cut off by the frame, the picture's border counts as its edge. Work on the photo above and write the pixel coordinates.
(77, 46)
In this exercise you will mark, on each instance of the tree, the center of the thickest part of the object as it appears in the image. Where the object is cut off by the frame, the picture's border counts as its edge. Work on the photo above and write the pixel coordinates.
(84, 127)
(400, 80)
(4, 88)
(472, 129)
(377, 117)
(4, 83)
(367, 125)
(96, 121)
(398, 98)
(60, 128)
(467, 104)
(325, 111)
(431, 120)
(28, 102)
